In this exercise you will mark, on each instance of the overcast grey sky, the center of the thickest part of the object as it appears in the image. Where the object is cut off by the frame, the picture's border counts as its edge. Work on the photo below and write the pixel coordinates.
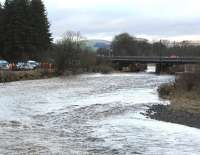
(102, 19)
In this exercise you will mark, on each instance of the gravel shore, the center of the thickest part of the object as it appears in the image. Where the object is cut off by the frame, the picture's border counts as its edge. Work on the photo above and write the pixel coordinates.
(166, 113)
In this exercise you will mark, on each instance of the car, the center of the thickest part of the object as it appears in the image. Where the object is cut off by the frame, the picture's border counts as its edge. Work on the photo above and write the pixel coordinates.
(21, 66)
(32, 64)
(173, 56)
(28, 65)
(4, 65)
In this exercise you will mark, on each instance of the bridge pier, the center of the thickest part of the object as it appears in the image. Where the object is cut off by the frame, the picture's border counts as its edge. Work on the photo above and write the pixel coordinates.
(164, 68)
(130, 66)
(158, 68)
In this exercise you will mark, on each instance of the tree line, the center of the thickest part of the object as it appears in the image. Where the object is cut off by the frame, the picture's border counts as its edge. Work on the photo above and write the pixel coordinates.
(71, 54)
(24, 29)
(25, 34)
(126, 45)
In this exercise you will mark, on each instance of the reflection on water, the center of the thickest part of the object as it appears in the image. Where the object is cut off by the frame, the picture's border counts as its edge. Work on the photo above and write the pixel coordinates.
(89, 114)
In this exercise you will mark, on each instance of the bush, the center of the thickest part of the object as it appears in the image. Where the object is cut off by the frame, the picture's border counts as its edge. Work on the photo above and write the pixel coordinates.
(165, 90)
(188, 82)
(104, 69)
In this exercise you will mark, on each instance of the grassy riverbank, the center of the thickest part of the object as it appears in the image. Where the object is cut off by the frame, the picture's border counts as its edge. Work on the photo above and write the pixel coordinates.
(185, 101)
(10, 76)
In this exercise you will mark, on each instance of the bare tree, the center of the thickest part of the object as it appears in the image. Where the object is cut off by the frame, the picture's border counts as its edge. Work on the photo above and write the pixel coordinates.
(68, 50)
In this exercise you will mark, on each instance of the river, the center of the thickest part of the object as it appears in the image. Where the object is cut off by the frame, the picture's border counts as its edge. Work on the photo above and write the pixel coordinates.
(89, 114)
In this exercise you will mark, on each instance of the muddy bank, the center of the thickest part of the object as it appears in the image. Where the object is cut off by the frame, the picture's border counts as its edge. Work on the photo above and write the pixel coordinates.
(168, 114)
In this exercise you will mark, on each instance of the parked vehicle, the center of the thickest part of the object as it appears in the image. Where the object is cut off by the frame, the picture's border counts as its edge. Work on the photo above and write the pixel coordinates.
(21, 66)
(4, 65)
(32, 64)
(29, 65)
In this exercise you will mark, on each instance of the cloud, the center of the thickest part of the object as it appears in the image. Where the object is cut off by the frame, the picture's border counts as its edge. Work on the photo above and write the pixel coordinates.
(163, 8)
(105, 18)
(162, 18)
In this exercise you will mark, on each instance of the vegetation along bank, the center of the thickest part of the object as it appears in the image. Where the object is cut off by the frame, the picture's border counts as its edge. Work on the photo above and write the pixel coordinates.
(185, 101)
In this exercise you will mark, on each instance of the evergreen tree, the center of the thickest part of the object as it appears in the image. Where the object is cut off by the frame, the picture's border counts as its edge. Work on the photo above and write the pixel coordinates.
(17, 30)
(24, 29)
(8, 7)
(1, 30)
(41, 36)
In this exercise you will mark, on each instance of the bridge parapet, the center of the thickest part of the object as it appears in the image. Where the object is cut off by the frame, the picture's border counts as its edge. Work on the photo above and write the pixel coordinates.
(152, 59)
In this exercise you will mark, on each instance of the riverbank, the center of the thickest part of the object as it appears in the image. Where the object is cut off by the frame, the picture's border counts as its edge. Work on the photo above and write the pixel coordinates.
(185, 102)
(11, 76)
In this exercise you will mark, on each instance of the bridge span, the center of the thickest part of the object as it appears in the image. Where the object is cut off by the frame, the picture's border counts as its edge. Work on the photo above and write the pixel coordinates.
(154, 59)
(162, 63)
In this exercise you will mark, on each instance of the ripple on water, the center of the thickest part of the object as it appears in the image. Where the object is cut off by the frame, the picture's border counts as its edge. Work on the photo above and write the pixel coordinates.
(89, 114)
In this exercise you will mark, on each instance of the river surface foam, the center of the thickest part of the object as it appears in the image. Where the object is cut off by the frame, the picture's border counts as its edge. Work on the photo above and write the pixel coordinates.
(89, 114)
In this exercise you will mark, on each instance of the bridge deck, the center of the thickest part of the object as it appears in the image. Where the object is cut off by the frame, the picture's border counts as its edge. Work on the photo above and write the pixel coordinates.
(155, 59)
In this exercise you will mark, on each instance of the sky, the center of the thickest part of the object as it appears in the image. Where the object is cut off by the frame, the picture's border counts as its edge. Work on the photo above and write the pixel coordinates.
(103, 19)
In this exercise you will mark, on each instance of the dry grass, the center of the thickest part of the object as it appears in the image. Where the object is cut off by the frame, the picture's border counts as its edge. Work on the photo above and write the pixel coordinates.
(8, 76)
(184, 94)
(186, 101)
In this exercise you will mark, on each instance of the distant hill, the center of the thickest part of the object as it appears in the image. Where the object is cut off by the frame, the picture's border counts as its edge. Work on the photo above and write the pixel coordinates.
(96, 44)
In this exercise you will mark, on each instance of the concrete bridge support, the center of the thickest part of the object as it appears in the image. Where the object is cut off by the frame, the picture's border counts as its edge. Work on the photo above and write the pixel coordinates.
(164, 68)
(130, 67)
(158, 68)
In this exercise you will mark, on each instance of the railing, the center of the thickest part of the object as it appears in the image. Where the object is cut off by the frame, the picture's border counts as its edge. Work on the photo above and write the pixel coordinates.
(153, 59)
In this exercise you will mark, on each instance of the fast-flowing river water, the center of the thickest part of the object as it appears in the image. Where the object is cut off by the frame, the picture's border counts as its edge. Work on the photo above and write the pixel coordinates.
(89, 114)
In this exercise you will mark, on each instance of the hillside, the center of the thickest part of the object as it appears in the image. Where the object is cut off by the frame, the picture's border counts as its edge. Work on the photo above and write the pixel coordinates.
(96, 44)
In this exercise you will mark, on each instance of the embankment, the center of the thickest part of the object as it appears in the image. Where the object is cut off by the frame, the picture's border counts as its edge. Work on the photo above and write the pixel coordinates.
(9, 76)
(185, 101)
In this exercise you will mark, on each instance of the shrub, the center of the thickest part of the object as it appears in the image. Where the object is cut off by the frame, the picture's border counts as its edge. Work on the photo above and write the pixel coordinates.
(104, 69)
(188, 82)
(165, 90)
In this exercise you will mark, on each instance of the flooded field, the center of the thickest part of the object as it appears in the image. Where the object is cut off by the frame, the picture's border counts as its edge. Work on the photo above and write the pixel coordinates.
(89, 114)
